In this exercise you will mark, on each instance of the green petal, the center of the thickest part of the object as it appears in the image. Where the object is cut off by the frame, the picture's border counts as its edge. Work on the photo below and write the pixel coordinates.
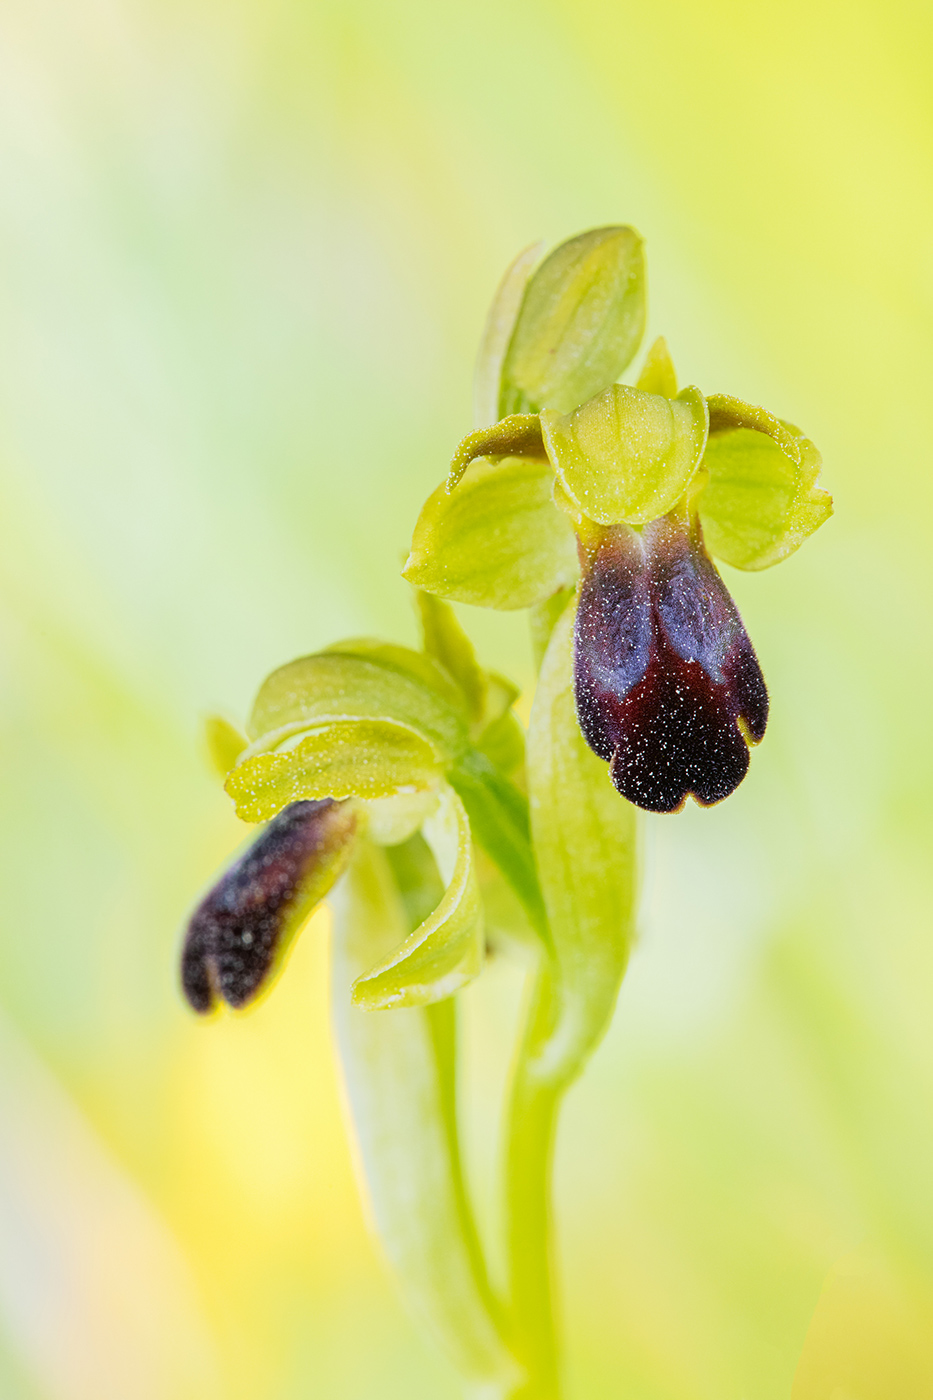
(399, 1071)
(224, 743)
(446, 642)
(584, 843)
(581, 321)
(727, 413)
(497, 541)
(500, 323)
(762, 500)
(446, 951)
(517, 436)
(657, 373)
(627, 455)
(370, 680)
(341, 758)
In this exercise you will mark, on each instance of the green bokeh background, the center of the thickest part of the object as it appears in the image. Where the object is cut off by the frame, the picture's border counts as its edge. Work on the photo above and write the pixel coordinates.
(246, 251)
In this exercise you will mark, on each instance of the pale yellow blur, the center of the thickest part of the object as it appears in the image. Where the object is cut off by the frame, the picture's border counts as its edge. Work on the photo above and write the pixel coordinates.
(246, 251)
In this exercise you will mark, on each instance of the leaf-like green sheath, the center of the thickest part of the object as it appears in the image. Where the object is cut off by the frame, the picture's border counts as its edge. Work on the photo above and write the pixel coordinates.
(448, 644)
(342, 758)
(581, 321)
(626, 455)
(497, 541)
(399, 1072)
(446, 951)
(761, 501)
(372, 681)
(584, 844)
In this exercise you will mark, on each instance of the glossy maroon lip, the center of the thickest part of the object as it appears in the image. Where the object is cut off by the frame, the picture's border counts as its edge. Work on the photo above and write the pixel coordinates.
(668, 686)
(235, 932)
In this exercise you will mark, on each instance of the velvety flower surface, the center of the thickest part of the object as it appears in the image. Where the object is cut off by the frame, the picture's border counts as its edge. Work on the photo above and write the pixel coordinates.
(239, 931)
(668, 686)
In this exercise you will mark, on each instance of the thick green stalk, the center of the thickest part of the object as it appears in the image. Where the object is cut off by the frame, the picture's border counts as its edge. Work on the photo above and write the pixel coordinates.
(533, 1110)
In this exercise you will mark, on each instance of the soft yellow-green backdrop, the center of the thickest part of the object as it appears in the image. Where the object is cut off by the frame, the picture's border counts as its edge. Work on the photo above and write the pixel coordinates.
(246, 248)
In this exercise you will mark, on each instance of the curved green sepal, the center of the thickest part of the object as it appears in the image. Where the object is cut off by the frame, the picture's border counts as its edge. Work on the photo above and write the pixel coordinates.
(657, 373)
(626, 455)
(497, 541)
(518, 436)
(446, 642)
(497, 332)
(447, 950)
(224, 743)
(544, 617)
(503, 742)
(342, 758)
(760, 503)
(581, 321)
(369, 680)
(399, 1072)
(584, 843)
(498, 814)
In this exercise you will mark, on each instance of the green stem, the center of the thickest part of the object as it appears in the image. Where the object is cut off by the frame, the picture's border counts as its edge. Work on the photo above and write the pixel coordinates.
(532, 1121)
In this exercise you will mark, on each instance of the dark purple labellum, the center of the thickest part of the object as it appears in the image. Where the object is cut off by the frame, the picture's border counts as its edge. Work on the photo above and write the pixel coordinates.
(240, 931)
(668, 686)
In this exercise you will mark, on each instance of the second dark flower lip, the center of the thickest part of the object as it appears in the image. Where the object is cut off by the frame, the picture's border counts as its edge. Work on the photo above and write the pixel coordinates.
(668, 686)
(240, 931)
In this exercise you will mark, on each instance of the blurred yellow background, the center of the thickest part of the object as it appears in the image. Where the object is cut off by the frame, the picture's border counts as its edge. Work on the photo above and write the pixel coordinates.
(246, 251)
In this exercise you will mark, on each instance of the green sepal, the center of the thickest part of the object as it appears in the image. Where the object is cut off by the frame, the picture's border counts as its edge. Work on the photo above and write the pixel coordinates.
(626, 455)
(497, 541)
(400, 1077)
(446, 951)
(497, 332)
(446, 642)
(368, 680)
(761, 500)
(224, 743)
(498, 814)
(584, 843)
(658, 375)
(340, 758)
(580, 323)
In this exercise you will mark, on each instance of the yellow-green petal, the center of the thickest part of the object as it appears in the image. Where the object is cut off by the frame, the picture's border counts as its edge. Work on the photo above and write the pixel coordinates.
(224, 743)
(340, 758)
(370, 680)
(627, 455)
(584, 843)
(517, 436)
(580, 324)
(497, 541)
(761, 501)
(446, 951)
(657, 373)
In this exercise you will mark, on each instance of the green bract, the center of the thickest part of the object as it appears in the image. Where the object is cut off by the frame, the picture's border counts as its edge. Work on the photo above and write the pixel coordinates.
(399, 1070)
(580, 323)
(496, 541)
(627, 455)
